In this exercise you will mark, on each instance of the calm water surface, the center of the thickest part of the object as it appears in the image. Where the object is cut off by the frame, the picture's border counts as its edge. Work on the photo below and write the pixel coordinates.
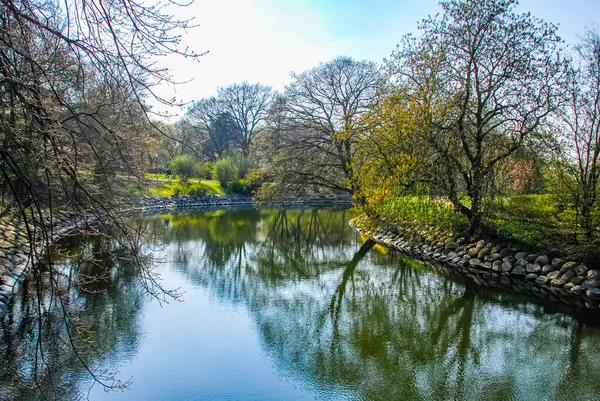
(292, 304)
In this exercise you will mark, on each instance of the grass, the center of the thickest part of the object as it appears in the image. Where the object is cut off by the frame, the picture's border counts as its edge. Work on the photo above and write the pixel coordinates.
(534, 222)
(193, 187)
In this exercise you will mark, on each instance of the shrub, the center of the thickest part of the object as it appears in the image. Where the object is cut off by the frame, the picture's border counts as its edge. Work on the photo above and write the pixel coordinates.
(183, 166)
(248, 185)
(225, 171)
(203, 170)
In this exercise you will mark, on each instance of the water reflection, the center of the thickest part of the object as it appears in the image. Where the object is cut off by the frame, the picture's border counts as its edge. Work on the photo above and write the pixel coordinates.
(56, 332)
(338, 315)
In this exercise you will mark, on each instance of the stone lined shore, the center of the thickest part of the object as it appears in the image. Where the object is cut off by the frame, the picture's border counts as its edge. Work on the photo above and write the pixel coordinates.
(16, 256)
(495, 265)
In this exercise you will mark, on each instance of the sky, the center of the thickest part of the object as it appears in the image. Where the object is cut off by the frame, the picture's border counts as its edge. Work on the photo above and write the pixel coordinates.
(265, 40)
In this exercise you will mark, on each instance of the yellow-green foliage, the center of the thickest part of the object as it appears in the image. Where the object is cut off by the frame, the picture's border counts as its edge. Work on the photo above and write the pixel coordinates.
(194, 188)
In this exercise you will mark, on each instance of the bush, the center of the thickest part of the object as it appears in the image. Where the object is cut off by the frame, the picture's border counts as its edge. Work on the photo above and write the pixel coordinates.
(225, 171)
(248, 185)
(183, 166)
(203, 170)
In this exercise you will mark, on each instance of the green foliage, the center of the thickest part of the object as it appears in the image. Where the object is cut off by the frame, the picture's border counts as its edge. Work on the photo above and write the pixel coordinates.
(183, 166)
(203, 170)
(193, 188)
(225, 171)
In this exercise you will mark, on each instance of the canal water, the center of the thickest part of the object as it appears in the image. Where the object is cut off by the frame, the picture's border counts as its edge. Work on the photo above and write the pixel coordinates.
(284, 305)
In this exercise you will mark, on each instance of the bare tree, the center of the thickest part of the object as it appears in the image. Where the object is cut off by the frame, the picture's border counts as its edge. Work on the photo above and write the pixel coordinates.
(484, 78)
(321, 112)
(75, 78)
(248, 104)
(578, 126)
(213, 125)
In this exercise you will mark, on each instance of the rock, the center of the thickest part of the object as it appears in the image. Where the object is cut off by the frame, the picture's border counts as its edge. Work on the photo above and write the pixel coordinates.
(569, 274)
(533, 268)
(568, 286)
(541, 280)
(461, 240)
(547, 269)
(486, 265)
(494, 256)
(556, 283)
(509, 258)
(483, 253)
(520, 255)
(567, 266)
(577, 280)
(473, 252)
(593, 293)
(586, 284)
(480, 243)
(577, 289)
(506, 252)
(496, 265)
(593, 274)
(475, 262)
(531, 277)
(557, 263)
(506, 267)
(521, 262)
(542, 260)
(518, 270)
(553, 275)
(531, 257)
(580, 270)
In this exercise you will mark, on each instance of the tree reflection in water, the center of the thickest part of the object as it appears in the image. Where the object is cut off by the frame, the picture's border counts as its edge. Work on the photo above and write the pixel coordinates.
(331, 311)
(334, 311)
(56, 354)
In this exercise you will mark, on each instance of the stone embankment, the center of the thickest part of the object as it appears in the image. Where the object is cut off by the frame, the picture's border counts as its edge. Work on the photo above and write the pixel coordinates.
(186, 202)
(16, 256)
(492, 264)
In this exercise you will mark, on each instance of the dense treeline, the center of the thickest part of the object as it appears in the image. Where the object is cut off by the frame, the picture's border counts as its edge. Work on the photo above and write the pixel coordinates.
(461, 125)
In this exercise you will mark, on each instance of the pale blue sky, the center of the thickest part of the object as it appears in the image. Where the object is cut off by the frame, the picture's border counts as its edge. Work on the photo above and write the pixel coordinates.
(264, 40)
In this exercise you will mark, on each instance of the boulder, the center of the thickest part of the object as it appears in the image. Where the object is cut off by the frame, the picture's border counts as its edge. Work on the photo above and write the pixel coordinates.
(542, 260)
(553, 275)
(531, 257)
(567, 276)
(497, 266)
(567, 266)
(590, 284)
(475, 262)
(541, 280)
(593, 274)
(547, 269)
(531, 277)
(577, 289)
(580, 270)
(518, 270)
(506, 267)
(577, 280)
(593, 293)
(506, 252)
(473, 252)
(520, 255)
(533, 268)
(483, 253)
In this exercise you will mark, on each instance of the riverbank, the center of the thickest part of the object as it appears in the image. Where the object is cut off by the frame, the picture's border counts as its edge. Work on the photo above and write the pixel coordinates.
(16, 255)
(489, 264)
